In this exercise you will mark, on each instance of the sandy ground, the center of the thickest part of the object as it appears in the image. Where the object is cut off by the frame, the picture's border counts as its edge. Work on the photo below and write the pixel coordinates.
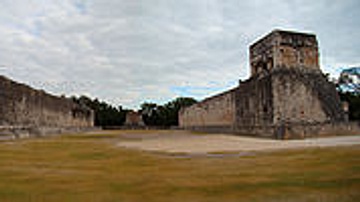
(183, 142)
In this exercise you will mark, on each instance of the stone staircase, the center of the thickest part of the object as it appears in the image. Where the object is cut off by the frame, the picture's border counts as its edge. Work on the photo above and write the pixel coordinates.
(325, 92)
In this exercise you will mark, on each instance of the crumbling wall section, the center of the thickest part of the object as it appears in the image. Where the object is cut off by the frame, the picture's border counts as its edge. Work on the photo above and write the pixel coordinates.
(262, 56)
(284, 50)
(296, 51)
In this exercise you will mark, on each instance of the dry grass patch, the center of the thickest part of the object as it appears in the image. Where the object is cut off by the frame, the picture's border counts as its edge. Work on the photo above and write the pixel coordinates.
(88, 167)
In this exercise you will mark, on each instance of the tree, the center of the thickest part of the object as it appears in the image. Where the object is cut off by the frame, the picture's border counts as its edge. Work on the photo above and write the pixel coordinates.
(164, 115)
(354, 104)
(349, 80)
(348, 87)
(105, 114)
(173, 108)
(149, 112)
(153, 114)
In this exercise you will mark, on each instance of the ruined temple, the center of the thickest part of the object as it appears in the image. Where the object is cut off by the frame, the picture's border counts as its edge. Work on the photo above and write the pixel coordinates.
(287, 96)
(134, 119)
(26, 111)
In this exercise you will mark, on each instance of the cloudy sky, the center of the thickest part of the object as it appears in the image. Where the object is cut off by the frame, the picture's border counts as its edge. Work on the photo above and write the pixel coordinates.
(130, 51)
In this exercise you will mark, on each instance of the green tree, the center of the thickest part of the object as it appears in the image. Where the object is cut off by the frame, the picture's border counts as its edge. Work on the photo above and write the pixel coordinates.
(172, 109)
(149, 112)
(165, 115)
(354, 104)
(348, 87)
(105, 114)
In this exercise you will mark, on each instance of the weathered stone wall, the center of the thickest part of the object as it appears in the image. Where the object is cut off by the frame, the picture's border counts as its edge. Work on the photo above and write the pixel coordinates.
(284, 50)
(262, 55)
(304, 97)
(254, 102)
(296, 51)
(217, 111)
(24, 107)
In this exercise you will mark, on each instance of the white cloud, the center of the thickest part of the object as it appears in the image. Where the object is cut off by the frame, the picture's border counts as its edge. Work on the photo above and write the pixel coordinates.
(128, 52)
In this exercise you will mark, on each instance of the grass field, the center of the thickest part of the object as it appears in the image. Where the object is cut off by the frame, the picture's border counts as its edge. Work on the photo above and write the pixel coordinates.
(91, 168)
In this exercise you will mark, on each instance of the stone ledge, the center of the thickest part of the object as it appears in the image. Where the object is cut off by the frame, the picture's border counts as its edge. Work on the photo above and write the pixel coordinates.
(20, 132)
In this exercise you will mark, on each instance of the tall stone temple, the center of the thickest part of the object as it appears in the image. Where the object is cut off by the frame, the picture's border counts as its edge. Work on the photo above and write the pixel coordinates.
(286, 97)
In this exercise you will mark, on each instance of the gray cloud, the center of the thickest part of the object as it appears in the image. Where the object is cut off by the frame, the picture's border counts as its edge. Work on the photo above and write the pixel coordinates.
(127, 52)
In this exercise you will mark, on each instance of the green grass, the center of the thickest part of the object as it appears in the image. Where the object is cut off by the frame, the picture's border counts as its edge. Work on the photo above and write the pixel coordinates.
(91, 168)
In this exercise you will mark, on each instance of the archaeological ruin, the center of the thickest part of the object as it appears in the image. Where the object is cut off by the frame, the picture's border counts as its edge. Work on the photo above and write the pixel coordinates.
(286, 97)
(25, 111)
(134, 119)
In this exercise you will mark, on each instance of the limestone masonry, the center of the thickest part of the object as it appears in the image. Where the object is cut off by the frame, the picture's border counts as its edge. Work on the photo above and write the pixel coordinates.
(287, 96)
(26, 111)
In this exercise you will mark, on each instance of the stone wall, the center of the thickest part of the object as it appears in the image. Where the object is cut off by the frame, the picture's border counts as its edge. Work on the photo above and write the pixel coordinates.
(24, 107)
(254, 102)
(215, 111)
(304, 97)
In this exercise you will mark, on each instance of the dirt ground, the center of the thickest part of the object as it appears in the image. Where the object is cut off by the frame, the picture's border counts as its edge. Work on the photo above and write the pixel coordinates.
(189, 143)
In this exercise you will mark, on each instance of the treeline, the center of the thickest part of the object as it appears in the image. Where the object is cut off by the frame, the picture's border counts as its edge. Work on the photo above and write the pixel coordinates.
(348, 87)
(153, 114)
(105, 114)
(164, 115)
(353, 99)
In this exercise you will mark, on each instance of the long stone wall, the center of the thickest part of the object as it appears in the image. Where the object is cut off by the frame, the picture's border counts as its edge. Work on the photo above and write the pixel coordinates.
(287, 104)
(217, 111)
(22, 107)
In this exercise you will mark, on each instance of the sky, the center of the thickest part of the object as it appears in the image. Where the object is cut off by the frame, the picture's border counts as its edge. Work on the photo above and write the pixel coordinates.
(126, 52)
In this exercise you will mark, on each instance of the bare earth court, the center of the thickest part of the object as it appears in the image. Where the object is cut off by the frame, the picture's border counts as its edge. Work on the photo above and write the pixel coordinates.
(186, 142)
